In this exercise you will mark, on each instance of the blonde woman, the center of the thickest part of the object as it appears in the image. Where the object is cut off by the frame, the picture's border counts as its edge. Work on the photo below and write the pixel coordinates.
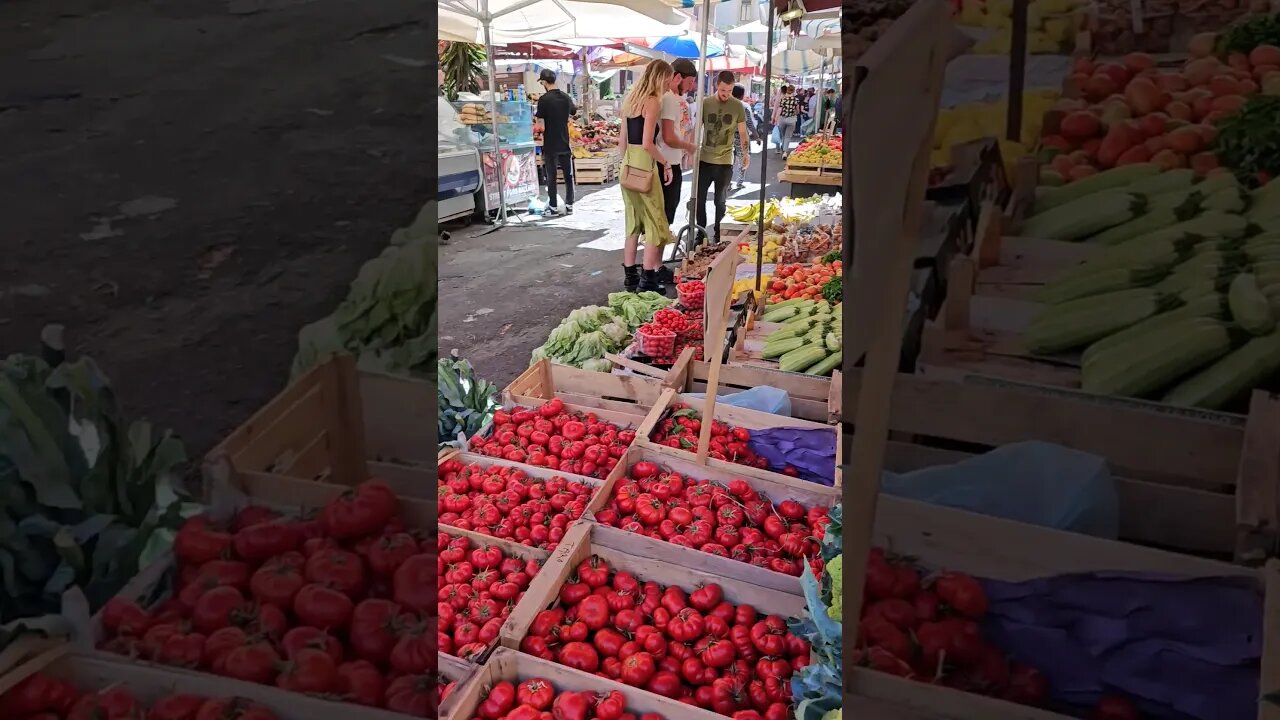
(645, 212)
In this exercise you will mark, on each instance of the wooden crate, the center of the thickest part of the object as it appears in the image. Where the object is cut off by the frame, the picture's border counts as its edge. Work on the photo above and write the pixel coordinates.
(738, 417)
(663, 563)
(809, 495)
(149, 683)
(943, 538)
(515, 667)
(628, 394)
(456, 670)
(338, 424)
(809, 394)
(231, 491)
(1192, 481)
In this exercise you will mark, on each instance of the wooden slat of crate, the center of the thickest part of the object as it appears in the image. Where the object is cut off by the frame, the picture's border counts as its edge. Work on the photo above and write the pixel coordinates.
(333, 420)
(544, 380)
(1195, 481)
(457, 670)
(96, 672)
(809, 395)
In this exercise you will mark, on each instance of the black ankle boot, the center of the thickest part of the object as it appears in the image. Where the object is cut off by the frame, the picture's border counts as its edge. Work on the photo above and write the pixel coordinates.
(632, 279)
(649, 281)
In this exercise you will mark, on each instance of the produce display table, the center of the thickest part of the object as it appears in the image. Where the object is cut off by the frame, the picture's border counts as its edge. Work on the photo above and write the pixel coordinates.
(808, 182)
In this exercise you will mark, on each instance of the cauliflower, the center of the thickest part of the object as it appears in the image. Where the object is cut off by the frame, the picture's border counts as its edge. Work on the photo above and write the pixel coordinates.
(836, 573)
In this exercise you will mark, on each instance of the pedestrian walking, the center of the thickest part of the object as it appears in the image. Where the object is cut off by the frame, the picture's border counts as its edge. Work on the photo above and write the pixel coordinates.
(724, 122)
(676, 139)
(739, 166)
(644, 171)
(788, 111)
(554, 110)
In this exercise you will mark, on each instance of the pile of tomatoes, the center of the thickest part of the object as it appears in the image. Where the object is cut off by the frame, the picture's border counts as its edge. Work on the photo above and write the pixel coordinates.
(478, 587)
(555, 437)
(677, 322)
(335, 605)
(930, 631)
(694, 647)
(41, 697)
(538, 699)
(733, 521)
(508, 503)
(802, 280)
(681, 427)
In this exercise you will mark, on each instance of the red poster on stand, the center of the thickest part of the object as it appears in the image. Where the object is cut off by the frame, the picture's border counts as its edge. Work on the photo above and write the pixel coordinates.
(519, 176)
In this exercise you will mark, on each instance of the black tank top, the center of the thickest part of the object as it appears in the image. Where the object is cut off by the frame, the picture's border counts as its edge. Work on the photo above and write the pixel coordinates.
(635, 130)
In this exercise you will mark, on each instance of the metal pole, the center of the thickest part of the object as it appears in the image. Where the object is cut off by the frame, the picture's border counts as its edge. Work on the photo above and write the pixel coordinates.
(1017, 71)
(499, 171)
(586, 86)
(697, 126)
(764, 154)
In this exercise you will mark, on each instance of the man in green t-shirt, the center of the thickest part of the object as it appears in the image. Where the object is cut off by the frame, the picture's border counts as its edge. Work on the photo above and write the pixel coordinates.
(724, 122)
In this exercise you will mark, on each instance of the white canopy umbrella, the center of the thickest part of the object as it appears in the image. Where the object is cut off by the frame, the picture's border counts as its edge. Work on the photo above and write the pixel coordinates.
(799, 62)
(753, 33)
(514, 21)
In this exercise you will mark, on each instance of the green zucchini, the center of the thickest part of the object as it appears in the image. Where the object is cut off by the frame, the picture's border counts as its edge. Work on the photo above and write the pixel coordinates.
(802, 359)
(1240, 371)
(1082, 218)
(831, 362)
(780, 348)
(1111, 179)
(1152, 362)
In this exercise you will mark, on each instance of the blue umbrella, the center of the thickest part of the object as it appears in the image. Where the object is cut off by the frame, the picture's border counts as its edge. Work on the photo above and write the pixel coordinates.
(687, 46)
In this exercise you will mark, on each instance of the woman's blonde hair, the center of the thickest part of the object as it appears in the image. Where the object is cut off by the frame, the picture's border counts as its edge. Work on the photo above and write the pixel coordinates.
(652, 83)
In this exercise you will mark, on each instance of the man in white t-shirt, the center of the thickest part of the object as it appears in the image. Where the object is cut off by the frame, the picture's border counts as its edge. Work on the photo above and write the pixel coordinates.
(676, 138)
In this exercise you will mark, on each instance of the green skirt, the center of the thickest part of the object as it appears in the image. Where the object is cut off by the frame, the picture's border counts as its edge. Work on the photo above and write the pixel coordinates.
(644, 211)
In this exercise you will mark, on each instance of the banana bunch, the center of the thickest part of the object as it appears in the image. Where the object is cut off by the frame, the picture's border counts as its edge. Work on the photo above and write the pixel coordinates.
(751, 213)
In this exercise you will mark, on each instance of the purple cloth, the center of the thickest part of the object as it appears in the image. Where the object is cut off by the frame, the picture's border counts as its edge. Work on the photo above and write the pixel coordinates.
(1181, 649)
(812, 452)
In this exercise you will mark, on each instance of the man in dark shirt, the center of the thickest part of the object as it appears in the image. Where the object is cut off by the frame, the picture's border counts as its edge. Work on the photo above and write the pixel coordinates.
(554, 110)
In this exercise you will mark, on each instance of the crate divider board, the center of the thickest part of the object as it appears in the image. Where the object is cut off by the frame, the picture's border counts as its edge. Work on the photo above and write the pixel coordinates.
(717, 289)
(333, 419)
(740, 417)
(808, 495)
(809, 394)
(514, 667)
(582, 541)
(544, 380)
(892, 99)
(454, 670)
(1199, 482)
(151, 682)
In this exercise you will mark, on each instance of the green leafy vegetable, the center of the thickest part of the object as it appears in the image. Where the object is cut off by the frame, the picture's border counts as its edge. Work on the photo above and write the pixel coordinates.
(86, 498)
(1248, 33)
(833, 290)
(466, 402)
(818, 687)
(590, 332)
(1249, 142)
(388, 318)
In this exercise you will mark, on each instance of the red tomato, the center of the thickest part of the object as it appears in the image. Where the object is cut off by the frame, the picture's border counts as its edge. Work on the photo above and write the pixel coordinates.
(610, 705)
(638, 669)
(390, 552)
(124, 617)
(1114, 707)
(413, 653)
(411, 695)
(196, 542)
(216, 609)
(579, 656)
(571, 706)
(254, 662)
(322, 607)
(414, 583)
(37, 693)
(536, 693)
(258, 543)
(303, 637)
(276, 582)
(360, 682)
(362, 511)
(374, 625)
(339, 569)
(963, 593)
